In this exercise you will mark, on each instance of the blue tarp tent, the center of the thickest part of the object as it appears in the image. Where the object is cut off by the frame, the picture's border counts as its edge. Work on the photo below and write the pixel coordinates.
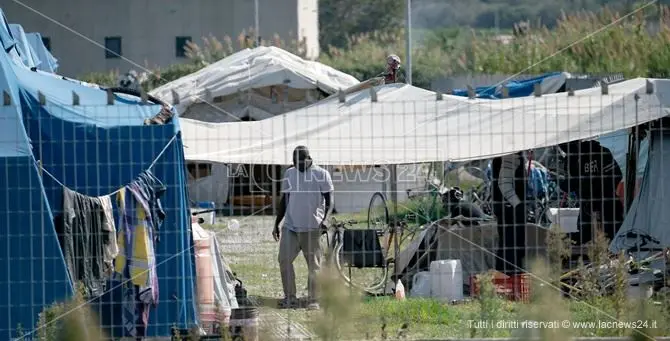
(48, 63)
(32, 271)
(7, 40)
(550, 82)
(644, 230)
(94, 149)
(26, 51)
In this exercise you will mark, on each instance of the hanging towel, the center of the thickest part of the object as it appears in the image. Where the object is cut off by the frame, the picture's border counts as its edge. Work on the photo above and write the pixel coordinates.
(136, 258)
(83, 236)
(111, 249)
(135, 263)
(141, 216)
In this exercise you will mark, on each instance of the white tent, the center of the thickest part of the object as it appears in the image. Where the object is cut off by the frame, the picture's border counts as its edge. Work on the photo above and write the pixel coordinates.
(259, 84)
(409, 125)
(254, 83)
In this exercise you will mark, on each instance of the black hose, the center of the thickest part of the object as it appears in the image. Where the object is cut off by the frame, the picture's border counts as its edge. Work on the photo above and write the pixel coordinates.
(138, 94)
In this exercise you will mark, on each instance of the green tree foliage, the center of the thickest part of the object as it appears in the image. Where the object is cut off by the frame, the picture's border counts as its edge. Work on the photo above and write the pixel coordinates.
(340, 19)
(636, 46)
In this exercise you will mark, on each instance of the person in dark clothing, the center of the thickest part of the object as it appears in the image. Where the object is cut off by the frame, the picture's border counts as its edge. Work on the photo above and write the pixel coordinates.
(593, 174)
(509, 206)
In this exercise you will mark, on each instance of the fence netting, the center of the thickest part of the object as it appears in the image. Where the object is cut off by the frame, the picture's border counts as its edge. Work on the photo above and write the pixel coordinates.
(406, 206)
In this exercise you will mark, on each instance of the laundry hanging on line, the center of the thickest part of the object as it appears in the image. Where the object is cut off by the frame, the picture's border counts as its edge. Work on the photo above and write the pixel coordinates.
(140, 208)
(140, 217)
(111, 249)
(87, 235)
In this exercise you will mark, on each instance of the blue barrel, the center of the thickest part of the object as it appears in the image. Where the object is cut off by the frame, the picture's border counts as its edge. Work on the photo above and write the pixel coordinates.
(205, 205)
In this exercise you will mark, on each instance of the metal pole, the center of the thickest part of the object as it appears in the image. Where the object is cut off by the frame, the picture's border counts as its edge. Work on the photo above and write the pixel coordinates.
(257, 25)
(408, 41)
(394, 220)
(631, 167)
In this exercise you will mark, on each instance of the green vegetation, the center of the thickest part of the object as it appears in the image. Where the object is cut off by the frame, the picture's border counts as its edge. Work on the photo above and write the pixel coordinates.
(342, 18)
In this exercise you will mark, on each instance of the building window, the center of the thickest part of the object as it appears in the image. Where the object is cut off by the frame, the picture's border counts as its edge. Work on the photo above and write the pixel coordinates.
(180, 45)
(47, 43)
(113, 47)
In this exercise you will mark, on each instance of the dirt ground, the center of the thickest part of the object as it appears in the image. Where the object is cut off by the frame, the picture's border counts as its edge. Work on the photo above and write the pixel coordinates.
(251, 252)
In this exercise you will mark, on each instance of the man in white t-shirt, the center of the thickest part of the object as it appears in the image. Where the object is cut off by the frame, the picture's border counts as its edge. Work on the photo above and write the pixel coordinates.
(305, 204)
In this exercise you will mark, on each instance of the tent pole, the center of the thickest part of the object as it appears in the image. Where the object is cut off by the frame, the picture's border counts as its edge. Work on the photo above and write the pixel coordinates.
(393, 178)
(256, 25)
(629, 190)
(408, 40)
(394, 220)
(631, 167)
(273, 180)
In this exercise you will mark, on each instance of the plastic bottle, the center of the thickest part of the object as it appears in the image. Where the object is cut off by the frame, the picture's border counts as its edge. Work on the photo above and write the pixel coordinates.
(233, 224)
(399, 291)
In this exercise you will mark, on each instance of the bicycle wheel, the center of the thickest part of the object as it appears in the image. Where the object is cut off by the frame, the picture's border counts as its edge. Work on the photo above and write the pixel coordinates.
(378, 213)
(367, 279)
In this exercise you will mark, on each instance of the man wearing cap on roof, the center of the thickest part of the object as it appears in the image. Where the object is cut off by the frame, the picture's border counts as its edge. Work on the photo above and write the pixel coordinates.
(305, 204)
(392, 67)
(593, 174)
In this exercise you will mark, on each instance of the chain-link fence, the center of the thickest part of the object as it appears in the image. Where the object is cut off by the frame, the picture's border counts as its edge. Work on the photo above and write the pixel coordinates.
(405, 203)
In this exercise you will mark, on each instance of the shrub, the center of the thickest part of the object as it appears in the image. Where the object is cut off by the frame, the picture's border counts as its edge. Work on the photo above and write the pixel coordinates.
(583, 42)
(69, 321)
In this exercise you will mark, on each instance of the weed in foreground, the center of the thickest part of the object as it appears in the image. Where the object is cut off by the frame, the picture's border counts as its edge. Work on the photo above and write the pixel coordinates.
(69, 321)
(547, 306)
(619, 295)
(77, 322)
(558, 251)
(338, 306)
(490, 305)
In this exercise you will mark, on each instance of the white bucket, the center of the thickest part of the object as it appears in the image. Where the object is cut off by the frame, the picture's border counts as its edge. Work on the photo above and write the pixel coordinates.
(566, 218)
(446, 279)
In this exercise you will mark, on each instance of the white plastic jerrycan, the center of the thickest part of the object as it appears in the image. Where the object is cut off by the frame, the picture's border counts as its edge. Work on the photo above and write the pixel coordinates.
(421, 284)
(446, 279)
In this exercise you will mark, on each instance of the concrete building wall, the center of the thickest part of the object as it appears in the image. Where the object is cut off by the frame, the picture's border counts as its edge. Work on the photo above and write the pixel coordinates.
(149, 28)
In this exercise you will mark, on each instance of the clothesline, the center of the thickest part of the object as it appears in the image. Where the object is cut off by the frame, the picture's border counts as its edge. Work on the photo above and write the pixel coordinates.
(153, 163)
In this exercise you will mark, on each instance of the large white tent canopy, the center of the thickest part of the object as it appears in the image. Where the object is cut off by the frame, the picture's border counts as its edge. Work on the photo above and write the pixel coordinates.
(252, 69)
(409, 125)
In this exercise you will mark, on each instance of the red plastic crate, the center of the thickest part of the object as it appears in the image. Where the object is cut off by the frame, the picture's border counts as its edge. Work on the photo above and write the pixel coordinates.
(514, 287)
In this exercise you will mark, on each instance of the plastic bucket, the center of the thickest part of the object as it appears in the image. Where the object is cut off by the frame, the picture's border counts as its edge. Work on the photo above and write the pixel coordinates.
(244, 324)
